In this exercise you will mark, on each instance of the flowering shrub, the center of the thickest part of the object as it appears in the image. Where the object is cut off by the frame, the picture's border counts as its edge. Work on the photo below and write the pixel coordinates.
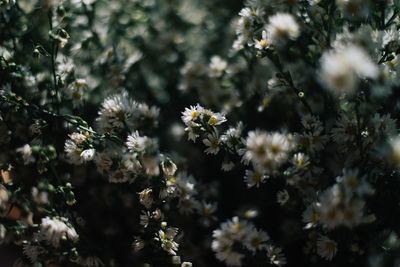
(200, 133)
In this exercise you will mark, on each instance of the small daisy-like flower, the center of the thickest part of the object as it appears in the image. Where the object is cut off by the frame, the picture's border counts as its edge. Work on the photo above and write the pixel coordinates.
(73, 152)
(227, 165)
(138, 244)
(256, 143)
(216, 119)
(254, 178)
(167, 242)
(275, 255)
(188, 205)
(186, 264)
(230, 257)
(282, 26)
(168, 167)
(118, 176)
(75, 92)
(217, 66)
(300, 161)
(145, 198)
(26, 153)
(88, 154)
(32, 251)
(282, 197)
(311, 216)
(117, 111)
(326, 248)
(53, 230)
(136, 143)
(90, 261)
(191, 113)
(340, 69)
(212, 142)
(263, 43)
(256, 240)
(176, 260)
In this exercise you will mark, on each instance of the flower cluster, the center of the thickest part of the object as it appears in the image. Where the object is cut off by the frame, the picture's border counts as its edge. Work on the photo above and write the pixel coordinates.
(131, 130)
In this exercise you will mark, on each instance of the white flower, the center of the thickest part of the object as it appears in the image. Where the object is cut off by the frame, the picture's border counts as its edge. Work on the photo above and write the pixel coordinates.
(138, 244)
(103, 162)
(40, 197)
(275, 255)
(88, 154)
(227, 165)
(91, 261)
(217, 66)
(340, 68)
(32, 251)
(136, 143)
(117, 111)
(73, 152)
(300, 161)
(167, 242)
(168, 167)
(282, 197)
(212, 142)
(118, 176)
(256, 143)
(230, 257)
(266, 150)
(26, 152)
(263, 43)
(52, 230)
(78, 138)
(191, 113)
(254, 178)
(146, 198)
(176, 260)
(282, 26)
(311, 216)
(215, 118)
(256, 240)
(188, 205)
(326, 248)
(186, 264)
(151, 165)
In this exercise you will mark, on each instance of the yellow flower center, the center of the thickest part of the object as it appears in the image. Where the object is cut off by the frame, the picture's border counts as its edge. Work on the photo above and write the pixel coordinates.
(193, 114)
(260, 151)
(330, 246)
(237, 227)
(274, 148)
(352, 182)
(300, 163)
(256, 177)
(212, 121)
(255, 242)
(214, 143)
(263, 43)
(207, 212)
(79, 83)
(314, 217)
(76, 95)
(121, 115)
